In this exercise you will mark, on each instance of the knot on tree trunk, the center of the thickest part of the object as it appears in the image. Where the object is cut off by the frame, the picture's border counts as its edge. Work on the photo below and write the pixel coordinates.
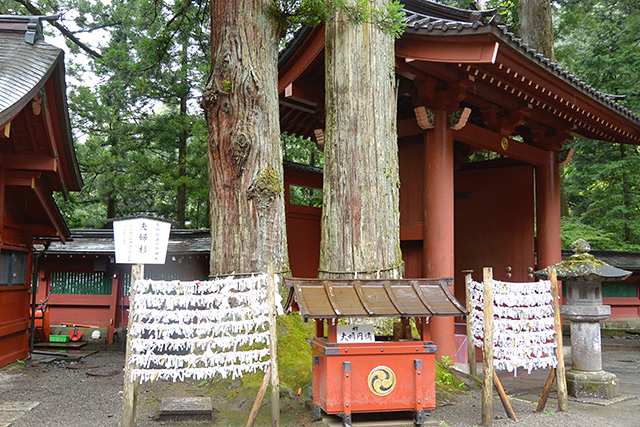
(266, 187)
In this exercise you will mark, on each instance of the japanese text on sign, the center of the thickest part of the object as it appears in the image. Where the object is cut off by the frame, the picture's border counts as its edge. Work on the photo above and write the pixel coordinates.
(355, 333)
(141, 241)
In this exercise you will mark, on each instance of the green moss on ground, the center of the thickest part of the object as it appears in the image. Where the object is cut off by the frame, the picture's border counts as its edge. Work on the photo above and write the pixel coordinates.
(294, 361)
(450, 384)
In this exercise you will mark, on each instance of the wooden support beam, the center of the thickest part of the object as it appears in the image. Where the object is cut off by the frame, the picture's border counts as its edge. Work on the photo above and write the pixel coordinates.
(130, 393)
(51, 209)
(545, 392)
(476, 50)
(303, 93)
(301, 63)
(273, 347)
(503, 397)
(487, 377)
(256, 405)
(471, 347)
(479, 137)
(30, 163)
(561, 380)
(408, 127)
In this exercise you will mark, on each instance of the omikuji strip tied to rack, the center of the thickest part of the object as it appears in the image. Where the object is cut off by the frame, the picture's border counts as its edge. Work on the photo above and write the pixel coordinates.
(199, 329)
(523, 324)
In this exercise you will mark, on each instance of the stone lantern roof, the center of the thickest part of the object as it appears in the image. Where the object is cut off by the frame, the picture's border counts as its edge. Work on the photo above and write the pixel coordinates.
(583, 267)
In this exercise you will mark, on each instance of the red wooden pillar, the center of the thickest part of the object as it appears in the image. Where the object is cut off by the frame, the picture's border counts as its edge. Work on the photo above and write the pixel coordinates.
(548, 212)
(438, 246)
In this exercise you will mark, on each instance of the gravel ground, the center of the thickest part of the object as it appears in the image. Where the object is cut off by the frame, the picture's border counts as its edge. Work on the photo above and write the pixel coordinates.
(71, 397)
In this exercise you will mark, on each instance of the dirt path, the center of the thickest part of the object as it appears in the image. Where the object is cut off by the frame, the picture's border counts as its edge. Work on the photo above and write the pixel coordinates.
(58, 396)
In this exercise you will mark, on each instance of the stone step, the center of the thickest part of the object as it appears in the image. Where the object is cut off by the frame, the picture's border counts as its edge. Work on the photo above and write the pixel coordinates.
(186, 408)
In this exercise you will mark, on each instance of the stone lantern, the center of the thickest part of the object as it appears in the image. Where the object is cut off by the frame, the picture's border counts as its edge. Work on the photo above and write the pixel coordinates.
(582, 276)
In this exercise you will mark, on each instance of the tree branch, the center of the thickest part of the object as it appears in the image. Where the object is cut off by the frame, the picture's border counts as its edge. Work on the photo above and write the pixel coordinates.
(35, 11)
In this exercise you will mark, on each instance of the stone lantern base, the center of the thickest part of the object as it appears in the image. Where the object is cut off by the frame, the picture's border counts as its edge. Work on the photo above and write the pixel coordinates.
(598, 384)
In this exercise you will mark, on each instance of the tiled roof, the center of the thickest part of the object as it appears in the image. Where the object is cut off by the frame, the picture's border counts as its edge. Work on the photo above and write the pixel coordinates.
(100, 242)
(430, 21)
(24, 66)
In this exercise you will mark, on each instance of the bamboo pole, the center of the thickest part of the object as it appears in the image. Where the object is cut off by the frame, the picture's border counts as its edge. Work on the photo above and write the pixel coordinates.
(561, 379)
(273, 348)
(130, 392)
(256, 405)
(487, 379)
(471, 347)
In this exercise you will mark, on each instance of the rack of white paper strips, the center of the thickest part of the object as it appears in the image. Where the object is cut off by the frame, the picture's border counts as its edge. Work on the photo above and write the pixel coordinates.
(522, 321)
(199, 329)
(523, 324)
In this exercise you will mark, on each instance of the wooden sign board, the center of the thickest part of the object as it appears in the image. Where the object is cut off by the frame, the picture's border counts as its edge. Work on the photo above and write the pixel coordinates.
(141, 241)
(355, 333)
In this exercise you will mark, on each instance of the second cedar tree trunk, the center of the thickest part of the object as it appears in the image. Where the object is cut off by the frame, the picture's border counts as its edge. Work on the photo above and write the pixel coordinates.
(536, 27)
(360, 215)
(245, 156)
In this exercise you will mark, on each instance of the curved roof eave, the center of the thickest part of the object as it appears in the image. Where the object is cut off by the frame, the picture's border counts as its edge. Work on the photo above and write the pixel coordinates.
(421, 25)
(17, 86)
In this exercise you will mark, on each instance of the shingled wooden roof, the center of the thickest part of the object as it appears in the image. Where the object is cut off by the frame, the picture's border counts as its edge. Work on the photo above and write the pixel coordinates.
(319, 298)
(36, 145)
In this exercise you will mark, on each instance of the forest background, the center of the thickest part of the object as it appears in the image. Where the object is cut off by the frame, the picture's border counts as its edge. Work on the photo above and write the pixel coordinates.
(136, 71)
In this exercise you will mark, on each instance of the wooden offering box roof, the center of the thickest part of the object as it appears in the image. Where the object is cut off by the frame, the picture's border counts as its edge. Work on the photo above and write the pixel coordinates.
(319, 298)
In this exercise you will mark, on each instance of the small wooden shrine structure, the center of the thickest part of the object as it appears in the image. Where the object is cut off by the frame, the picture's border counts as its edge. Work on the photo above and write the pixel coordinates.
(467, 86)
(82, 285)
(37, 157)
(354, 371)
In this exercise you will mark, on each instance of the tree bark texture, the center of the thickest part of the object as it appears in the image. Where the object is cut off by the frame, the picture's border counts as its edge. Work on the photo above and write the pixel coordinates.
(536, 26)
(244, 152)
(360, 215)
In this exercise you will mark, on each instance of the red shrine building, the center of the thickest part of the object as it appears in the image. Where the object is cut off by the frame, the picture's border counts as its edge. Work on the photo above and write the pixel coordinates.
(467, 87)
(37, 158)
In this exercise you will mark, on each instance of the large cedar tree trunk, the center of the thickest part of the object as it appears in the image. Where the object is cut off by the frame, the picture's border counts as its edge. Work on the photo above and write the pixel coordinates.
(360, 215)
(536, 30)
(536, 25)
(244, 153)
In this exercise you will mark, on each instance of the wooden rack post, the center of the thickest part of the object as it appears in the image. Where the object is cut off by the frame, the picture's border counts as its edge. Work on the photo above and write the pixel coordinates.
(490, 378)
(471, 347)
(273, 346)
(130, 392)
(256, 405)
(556, 373)
(487, 365)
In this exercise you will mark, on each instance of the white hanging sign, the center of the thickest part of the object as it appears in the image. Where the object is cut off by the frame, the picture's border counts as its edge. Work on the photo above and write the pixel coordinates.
(355, 333)
(141, 241)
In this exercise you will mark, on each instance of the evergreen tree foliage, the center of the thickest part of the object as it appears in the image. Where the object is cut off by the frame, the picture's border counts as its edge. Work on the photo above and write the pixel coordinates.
(136, 72)
(598, 41)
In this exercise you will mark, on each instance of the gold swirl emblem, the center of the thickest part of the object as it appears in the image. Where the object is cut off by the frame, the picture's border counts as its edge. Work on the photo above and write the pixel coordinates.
(504, 142)
(381, 380)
